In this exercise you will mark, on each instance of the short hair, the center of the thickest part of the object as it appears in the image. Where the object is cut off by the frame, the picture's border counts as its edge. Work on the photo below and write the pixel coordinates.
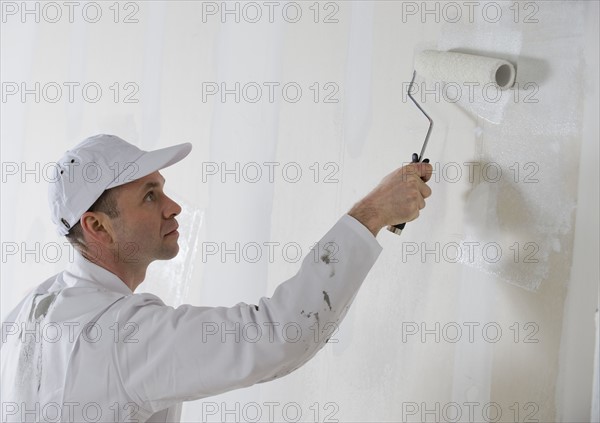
(107, 204)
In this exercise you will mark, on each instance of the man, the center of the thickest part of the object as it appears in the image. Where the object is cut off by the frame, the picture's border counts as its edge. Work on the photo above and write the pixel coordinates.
(83, 347)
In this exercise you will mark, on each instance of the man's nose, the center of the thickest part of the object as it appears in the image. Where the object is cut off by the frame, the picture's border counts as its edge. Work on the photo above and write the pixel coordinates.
(172, 209)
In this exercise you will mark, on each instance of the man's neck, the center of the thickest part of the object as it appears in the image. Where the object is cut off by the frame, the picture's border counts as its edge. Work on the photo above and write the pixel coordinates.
(131, 274)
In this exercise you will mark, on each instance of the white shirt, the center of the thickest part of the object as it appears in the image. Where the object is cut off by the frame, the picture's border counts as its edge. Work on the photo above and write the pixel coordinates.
(83, 347)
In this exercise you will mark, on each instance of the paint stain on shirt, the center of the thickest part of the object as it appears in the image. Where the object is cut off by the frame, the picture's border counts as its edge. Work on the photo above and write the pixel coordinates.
(326, 298)
(326, 258)
(29, 366)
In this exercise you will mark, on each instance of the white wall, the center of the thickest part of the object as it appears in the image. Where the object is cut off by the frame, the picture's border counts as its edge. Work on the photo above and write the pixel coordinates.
(577, 344)
(544, 205)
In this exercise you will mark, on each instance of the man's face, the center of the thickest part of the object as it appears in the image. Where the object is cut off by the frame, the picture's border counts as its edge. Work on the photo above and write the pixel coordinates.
(146, 229)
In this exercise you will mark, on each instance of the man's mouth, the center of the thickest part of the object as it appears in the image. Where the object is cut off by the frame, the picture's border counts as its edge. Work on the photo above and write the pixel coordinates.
(173, 231)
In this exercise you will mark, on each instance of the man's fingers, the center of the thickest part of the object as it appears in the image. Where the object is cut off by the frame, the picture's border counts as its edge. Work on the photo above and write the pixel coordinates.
(421, 170)
(424, 170)
(424, 189)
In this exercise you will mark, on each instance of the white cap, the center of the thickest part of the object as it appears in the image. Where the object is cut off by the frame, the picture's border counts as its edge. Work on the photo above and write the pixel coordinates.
(97, 164)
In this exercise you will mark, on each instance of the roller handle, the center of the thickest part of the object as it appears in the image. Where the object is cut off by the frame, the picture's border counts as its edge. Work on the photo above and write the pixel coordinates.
(397, 229)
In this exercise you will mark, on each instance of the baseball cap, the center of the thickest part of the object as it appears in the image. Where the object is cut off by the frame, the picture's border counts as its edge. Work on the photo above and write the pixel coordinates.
(96, 164)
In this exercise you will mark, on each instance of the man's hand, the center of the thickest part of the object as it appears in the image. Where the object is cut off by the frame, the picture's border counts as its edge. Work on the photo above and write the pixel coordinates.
(397, 199)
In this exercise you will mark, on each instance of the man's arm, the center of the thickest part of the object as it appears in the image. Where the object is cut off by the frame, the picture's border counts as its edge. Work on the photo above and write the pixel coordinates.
(195, 352)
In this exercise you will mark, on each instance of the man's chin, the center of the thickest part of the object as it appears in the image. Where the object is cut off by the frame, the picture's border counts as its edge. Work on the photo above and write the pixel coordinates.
(169, 253)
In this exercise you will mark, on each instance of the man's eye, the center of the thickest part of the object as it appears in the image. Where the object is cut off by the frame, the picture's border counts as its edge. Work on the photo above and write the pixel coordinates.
(150, 196)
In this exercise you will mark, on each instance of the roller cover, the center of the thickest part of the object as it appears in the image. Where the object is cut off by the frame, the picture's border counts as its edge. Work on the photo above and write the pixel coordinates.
(461, 68)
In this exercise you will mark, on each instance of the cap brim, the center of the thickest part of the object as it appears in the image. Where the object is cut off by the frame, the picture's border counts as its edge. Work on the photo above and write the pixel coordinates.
(150, 162)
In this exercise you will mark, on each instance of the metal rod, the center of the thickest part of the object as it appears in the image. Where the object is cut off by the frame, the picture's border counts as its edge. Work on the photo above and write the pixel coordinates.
(397, 229)
(423, 111)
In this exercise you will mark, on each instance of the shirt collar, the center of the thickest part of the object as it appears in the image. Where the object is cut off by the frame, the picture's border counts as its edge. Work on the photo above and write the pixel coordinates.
(82, 272)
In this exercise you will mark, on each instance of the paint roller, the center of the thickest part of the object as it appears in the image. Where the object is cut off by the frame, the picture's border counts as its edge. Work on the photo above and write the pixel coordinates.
(460, 68)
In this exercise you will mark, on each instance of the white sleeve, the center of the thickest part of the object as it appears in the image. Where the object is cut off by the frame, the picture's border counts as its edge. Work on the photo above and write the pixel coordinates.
(187, 353)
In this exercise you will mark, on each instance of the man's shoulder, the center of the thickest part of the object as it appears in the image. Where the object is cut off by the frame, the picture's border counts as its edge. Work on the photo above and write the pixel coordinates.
(42, 288)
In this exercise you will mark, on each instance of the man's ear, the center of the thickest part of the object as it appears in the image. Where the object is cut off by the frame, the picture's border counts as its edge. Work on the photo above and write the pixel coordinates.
(97, 228)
